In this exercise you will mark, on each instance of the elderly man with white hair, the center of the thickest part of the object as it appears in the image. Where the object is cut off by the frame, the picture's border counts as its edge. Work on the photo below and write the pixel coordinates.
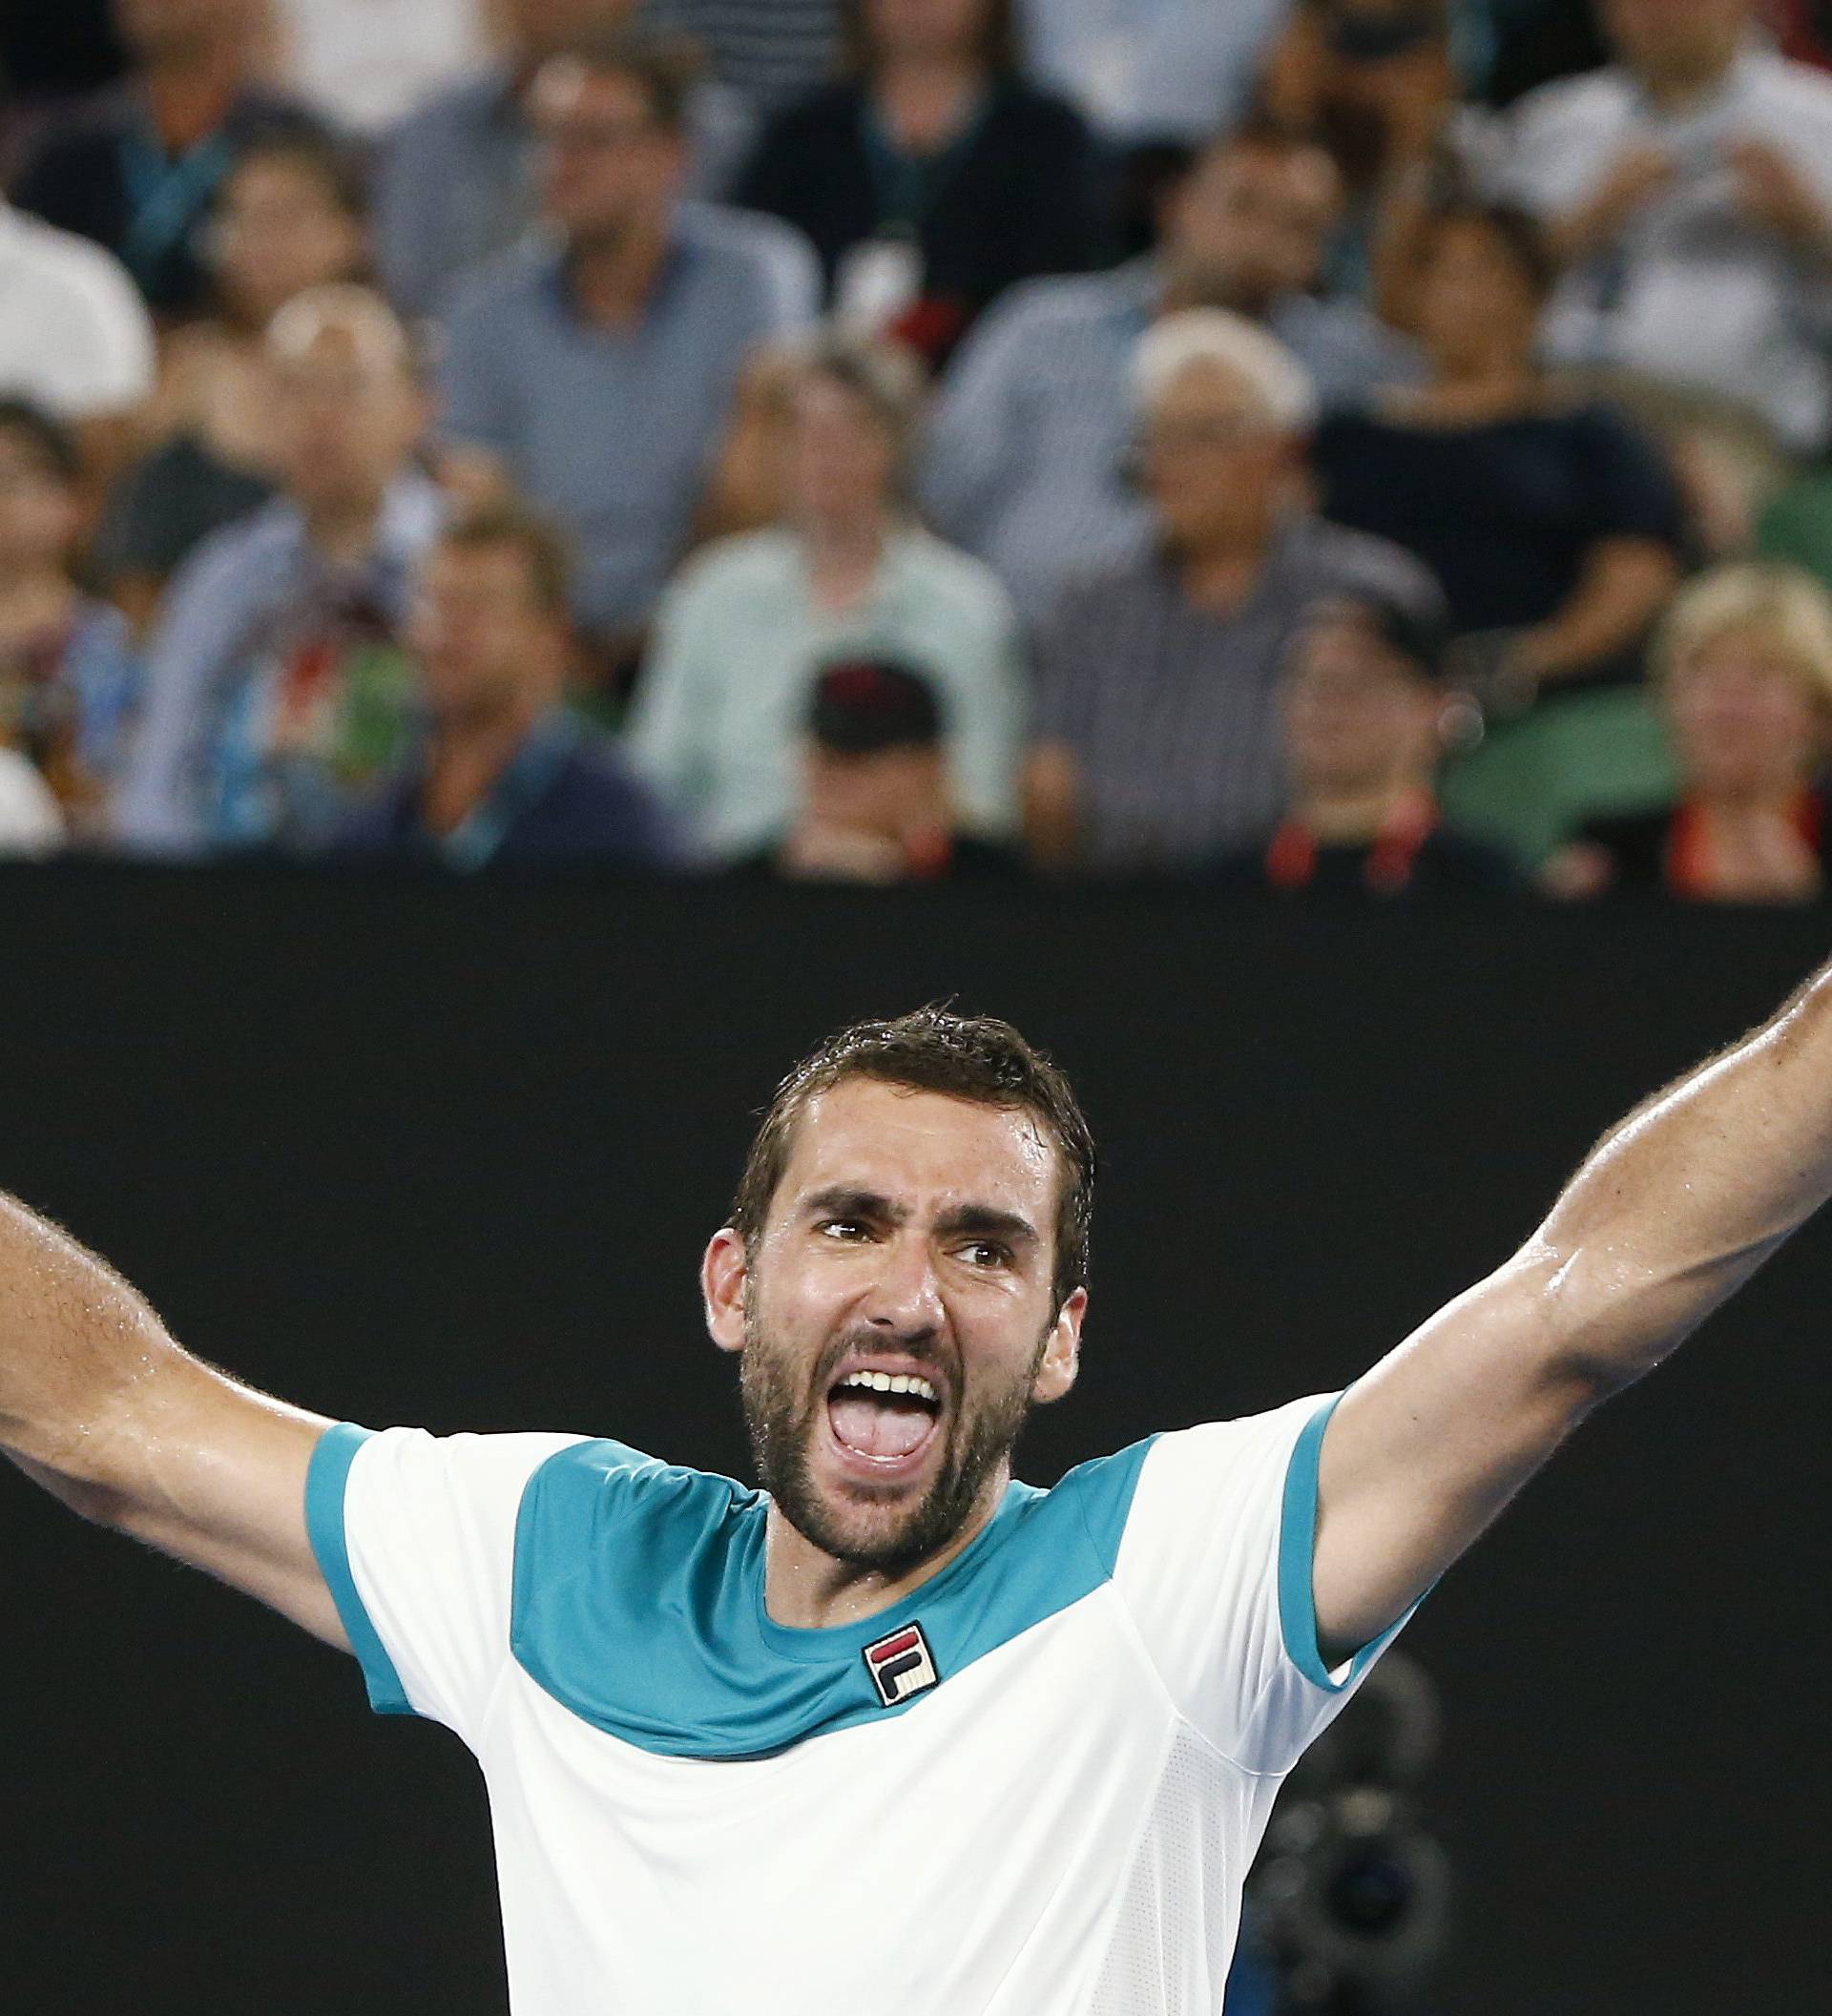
(1156, 736)
(273, 685)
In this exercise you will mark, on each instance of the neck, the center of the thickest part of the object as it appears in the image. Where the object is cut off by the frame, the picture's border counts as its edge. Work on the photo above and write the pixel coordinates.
(1222, 576)
(1674, 90)
(467, 754)
(614, 275)
(925, 96)
(1353, 815)
(344, 532)
(190, 88)
(1485, 381)
(809, 1589)
(843, 557)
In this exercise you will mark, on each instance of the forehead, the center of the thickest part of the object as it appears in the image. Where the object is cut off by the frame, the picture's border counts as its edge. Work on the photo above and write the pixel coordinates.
(922, 1149)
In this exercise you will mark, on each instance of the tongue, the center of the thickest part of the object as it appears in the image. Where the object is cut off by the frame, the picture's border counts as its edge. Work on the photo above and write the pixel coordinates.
(876, 1426)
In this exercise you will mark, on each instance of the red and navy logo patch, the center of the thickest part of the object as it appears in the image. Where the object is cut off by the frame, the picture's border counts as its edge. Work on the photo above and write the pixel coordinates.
(901, 1665)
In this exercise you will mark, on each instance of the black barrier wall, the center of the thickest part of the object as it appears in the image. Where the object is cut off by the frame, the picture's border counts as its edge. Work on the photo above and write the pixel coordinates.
(410, 1152)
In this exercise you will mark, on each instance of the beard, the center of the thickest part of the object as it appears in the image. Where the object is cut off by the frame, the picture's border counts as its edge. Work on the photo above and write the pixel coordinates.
(783, 1419)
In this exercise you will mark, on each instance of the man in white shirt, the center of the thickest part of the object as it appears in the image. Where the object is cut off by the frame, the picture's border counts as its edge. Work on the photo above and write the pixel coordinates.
(897, 1730)
(74, 336)
(1688, 190)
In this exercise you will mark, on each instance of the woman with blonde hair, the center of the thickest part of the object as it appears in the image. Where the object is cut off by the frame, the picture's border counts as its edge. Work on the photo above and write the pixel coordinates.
(1743, 666)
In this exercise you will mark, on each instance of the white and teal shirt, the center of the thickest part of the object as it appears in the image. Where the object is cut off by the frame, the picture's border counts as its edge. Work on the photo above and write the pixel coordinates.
(1035, 1785)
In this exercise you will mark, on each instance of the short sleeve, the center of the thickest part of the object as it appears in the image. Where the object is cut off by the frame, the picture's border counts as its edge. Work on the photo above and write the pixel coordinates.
(1214, 1570)
(415, 1536)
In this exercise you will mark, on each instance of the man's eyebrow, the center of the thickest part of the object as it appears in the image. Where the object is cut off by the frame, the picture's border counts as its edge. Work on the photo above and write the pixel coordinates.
(850, 1201)
(983, 1220)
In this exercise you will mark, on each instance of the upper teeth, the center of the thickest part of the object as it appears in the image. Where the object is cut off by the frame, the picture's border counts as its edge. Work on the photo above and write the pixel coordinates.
(891, 1383)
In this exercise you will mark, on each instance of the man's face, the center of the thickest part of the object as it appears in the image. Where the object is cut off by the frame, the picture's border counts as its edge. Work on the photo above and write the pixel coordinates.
(1251, 223)
(153, 26)
(840, 460)
(477, 630)
(38, 508)
(886, 792)
(909, 1238)
(1212, 463)
(541, 25)
(348, 416)
(926, 28)
(1679, 38)
(1357, 718)
(607, 163)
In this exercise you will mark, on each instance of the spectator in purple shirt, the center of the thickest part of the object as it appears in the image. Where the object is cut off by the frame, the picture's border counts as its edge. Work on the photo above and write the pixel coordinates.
(501, 773)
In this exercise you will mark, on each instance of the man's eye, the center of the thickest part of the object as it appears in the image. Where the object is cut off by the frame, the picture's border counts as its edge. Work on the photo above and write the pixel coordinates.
(987, 1252)
(841, 1229)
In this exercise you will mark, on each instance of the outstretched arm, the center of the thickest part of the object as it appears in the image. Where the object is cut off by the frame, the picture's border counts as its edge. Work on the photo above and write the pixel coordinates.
(1671, 1211)
(100, 1405)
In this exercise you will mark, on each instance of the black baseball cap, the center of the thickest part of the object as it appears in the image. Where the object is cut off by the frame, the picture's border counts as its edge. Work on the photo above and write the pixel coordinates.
(862, 705)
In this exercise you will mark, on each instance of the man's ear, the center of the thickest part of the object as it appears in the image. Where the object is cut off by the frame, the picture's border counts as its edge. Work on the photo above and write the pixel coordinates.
(1061, 1356)
(724, 1274)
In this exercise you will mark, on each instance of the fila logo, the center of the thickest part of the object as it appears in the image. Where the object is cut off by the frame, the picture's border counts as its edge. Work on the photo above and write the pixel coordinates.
(901, 1665)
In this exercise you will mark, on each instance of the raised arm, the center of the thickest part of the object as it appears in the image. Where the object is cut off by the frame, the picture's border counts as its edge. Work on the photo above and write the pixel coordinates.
(100, 1405)
(1670, 1212)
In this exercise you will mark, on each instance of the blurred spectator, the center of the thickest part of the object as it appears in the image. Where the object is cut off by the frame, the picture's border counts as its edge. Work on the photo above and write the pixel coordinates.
(770, 52)
(66, 664)
(1027, 463)
(1364, 707)
(1688, 189)
(1744, 667)
(875, 805)
(595, 374)
(1552, 525)
(1151, 70)
(288, 215)
(136, 169)
(745, 487)
(460, 180)
(502, 772)
(1374, 81)
(362, 63)
(74, 336)
(1156, 732)
(741, 636)
(933, 176)
(273, 685)
(1510, 47)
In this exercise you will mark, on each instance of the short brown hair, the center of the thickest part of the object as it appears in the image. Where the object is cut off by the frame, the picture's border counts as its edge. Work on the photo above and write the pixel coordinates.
(663, 67)
(974, 1057)
(999, 46)
(546, 556)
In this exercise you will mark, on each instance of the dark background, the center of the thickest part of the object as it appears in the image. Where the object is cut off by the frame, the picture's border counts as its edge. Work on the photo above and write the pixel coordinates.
(443, 1153)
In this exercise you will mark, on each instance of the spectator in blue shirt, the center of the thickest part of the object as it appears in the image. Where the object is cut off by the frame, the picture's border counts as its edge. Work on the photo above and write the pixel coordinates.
(457, 179)
(502, 772)
(1027, 455)
(273, 685)
(592, 373)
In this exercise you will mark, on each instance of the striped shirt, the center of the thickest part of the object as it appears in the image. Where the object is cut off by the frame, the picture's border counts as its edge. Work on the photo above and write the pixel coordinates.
(769, 51)
(1171, 709)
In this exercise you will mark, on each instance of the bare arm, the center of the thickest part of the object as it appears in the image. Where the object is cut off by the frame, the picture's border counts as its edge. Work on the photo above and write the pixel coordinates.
(1668, 1214)
(102, 1408)
(1624, 585)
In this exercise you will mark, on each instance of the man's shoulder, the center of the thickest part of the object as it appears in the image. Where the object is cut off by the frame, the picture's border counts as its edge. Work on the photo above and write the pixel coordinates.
(735, 244)
(1059, 307)
(1791, 90)
(1327, 556)
(505, 285)
(63, 267)
(965, 586)
(454, 112)
(742, 564)
(1574, 105)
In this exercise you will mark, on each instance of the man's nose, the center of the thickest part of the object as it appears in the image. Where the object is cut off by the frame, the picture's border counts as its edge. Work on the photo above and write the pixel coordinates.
(906, 1294)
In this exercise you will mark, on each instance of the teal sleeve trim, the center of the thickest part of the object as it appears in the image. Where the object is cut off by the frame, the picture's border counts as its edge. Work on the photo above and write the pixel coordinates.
(326, 1480)
(1296, 1551)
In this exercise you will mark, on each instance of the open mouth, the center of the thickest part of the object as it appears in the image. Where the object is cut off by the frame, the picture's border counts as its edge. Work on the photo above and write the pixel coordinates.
(887, 1419)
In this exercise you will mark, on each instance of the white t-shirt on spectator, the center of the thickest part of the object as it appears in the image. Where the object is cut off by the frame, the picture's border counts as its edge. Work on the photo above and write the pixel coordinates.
(31, 821)
(75, 335)
(365, 63)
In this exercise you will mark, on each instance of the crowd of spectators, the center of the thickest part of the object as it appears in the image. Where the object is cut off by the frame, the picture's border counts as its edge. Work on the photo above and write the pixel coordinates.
(1370, 446)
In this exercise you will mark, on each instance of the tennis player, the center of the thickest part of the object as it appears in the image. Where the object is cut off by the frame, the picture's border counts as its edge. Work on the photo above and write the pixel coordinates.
(896, 1732)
